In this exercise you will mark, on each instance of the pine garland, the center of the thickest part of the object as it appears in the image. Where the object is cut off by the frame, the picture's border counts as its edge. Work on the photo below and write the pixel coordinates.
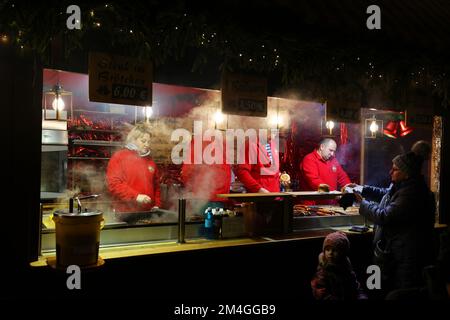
(318, 65)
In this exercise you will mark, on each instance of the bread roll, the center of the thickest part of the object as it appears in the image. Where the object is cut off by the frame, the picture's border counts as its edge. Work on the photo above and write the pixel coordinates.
(323, 188)
(284, 177)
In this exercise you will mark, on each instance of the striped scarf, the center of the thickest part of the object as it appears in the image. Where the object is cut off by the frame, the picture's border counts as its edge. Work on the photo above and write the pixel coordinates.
(269, 152)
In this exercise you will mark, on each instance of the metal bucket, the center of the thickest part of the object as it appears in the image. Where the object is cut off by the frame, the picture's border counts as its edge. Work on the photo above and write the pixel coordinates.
(77, 237)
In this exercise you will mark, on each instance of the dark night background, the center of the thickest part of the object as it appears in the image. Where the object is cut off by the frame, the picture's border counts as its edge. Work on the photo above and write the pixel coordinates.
(321, 48)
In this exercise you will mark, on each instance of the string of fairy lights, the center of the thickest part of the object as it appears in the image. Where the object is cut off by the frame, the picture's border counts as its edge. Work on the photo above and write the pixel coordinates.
(239, 48)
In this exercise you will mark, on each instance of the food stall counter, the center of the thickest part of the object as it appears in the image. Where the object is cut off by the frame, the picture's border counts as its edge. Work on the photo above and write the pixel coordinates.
(151, 248)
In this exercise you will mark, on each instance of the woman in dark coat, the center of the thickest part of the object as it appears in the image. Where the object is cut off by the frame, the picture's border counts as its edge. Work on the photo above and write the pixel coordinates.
(403, 215)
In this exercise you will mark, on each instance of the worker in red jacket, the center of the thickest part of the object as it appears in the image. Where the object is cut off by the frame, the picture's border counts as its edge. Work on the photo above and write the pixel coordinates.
(132, 175)
(260, 173)
(263, 175)
(320, 167)
(205, 180)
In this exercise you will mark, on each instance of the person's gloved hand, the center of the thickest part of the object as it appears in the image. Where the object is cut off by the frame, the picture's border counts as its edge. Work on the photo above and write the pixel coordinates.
(263, 190)
(143, 199)
(352, 188)
(348, 185)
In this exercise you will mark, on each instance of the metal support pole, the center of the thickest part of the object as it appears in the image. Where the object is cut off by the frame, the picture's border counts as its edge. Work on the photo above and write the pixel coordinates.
(288, 214)
(181, 220)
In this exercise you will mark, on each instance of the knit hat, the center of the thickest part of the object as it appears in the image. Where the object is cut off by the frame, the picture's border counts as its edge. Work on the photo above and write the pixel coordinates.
(410, 163)
(422, 149)
(337, 240)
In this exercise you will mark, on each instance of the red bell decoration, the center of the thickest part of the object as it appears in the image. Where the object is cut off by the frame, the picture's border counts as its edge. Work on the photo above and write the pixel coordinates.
(404, 130)
(391, 129)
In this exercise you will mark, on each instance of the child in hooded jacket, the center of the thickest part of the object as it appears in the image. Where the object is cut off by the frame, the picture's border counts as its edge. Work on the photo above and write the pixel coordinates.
(334, 278)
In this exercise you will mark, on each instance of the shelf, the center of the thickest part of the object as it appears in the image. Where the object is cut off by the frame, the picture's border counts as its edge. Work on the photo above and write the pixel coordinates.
(315, 195)
(95, 130)
(97, 143)
(101, 112)
(303, 195)
(254, 195)
(87, 158)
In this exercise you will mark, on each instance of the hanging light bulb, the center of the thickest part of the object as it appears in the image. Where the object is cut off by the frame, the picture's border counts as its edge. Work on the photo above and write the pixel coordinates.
(148, 112)
(279, 121)
(59, 100)
(373, 127)
(58, 103)
(218, 118)
(330, 126)
(4, 38)
(276, 120)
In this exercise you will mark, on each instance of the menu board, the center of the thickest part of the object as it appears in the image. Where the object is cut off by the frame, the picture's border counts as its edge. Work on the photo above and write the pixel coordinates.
(118, 79)
(341, 110)
(244, 95)
(420, 118)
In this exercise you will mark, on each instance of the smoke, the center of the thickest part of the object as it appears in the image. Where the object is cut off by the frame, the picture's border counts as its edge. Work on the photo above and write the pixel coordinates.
(293, 95)
(67, 195)
(195, 202)
(202, 184)
(166, 217)
(89, 179)
(211, 104)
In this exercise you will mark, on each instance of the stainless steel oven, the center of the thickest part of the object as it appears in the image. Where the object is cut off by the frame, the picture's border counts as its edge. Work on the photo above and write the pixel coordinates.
(53, 163)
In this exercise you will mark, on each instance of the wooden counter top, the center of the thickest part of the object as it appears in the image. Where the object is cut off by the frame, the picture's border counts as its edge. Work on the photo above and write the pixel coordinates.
(253, 195)
(306, 195)
(159, 247)
(125, 251)
(315, 195)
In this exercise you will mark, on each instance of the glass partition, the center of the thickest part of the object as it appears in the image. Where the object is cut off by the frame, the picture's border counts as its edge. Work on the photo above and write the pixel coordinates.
(89, 153)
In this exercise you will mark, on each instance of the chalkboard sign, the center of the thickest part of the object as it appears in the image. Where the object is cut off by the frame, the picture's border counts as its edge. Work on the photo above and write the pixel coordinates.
(422, 118)
(343, 111)
(118, 79)
(244, 95)
(420, 111)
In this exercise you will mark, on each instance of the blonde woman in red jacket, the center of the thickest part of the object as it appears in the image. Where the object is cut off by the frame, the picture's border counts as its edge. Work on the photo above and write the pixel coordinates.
(132, 175)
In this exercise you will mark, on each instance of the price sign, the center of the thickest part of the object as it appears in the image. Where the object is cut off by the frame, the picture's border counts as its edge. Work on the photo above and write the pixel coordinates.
(343, 111)
(244, 95)
(118, 79)
(129, 92)
(420, 111)
(422, 118)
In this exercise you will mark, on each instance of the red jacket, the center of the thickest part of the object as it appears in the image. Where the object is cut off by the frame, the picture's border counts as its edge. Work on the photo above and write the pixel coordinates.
(128, 175)
(314, 171)
(259, 175)
(205, 181)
